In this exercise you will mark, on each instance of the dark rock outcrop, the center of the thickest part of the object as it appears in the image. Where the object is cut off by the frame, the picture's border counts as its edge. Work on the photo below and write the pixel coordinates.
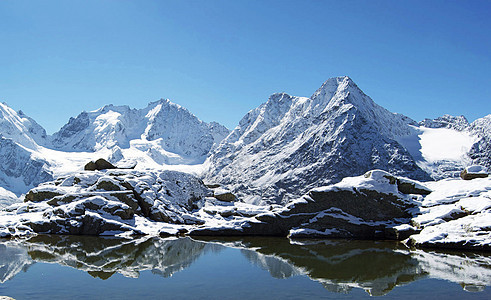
(100, 164)
(470, 173)
(225, 196)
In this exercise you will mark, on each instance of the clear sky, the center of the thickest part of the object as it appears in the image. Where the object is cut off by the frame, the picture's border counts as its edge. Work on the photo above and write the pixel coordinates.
(220, 59)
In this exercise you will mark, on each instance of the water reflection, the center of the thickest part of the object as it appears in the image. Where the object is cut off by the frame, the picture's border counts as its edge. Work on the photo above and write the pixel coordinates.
(339, 265)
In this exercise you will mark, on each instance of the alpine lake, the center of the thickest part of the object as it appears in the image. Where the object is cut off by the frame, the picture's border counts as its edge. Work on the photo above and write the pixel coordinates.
(87, 267)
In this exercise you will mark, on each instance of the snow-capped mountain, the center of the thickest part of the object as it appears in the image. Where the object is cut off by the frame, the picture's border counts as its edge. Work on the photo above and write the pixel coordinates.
(291, 144)
(20, 128)
(20, 167)
(169, 127)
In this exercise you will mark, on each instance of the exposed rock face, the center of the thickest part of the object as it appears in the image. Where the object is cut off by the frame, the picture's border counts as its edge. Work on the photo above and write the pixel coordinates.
(290, 145)
(224, 195)
(100, 164)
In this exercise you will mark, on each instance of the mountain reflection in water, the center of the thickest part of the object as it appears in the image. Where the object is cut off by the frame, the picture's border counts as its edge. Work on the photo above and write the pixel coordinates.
(339, 265)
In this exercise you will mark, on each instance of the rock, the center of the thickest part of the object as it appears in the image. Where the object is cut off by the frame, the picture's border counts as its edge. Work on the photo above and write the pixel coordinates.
(100, 164)
(473, 172)
(212, 185)
(404, 185)
(224, 195)
(90, 166)
(107, 186)
(39, 196)
(407, 187)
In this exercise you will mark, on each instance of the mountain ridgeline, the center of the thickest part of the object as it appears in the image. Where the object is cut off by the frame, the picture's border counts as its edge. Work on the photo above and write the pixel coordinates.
(278, 151)
(176, 129)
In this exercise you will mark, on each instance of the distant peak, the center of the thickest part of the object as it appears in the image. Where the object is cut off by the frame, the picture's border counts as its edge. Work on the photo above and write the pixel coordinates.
(279, 96)
(336, 81)
(164, 102)
(334, 85)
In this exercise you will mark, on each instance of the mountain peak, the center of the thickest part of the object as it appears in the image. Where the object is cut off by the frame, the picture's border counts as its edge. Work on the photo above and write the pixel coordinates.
(332, 85)
(20, 128)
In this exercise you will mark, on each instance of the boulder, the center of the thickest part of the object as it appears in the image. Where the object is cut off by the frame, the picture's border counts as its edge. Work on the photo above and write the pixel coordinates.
(404, 185)
(473, 172)
(100, 164)
(224, 195)
(39, 196)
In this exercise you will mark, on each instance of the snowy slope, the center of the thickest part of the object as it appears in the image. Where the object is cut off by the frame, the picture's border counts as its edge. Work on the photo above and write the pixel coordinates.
(291, 144)
(446, 145)
(167, 131)
(442, 152)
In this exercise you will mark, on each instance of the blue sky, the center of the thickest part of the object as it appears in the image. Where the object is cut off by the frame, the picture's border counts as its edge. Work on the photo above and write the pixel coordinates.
(220, 59)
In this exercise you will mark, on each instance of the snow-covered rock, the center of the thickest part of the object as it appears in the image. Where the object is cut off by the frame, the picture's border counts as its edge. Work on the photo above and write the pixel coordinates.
(474, 171)
(108, 203)
(289, 145)
(368, 207)
(457, 214)
(450, 213)
(173, 128)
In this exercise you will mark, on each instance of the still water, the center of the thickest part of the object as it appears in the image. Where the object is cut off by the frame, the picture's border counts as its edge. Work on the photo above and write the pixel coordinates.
(74, 267)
